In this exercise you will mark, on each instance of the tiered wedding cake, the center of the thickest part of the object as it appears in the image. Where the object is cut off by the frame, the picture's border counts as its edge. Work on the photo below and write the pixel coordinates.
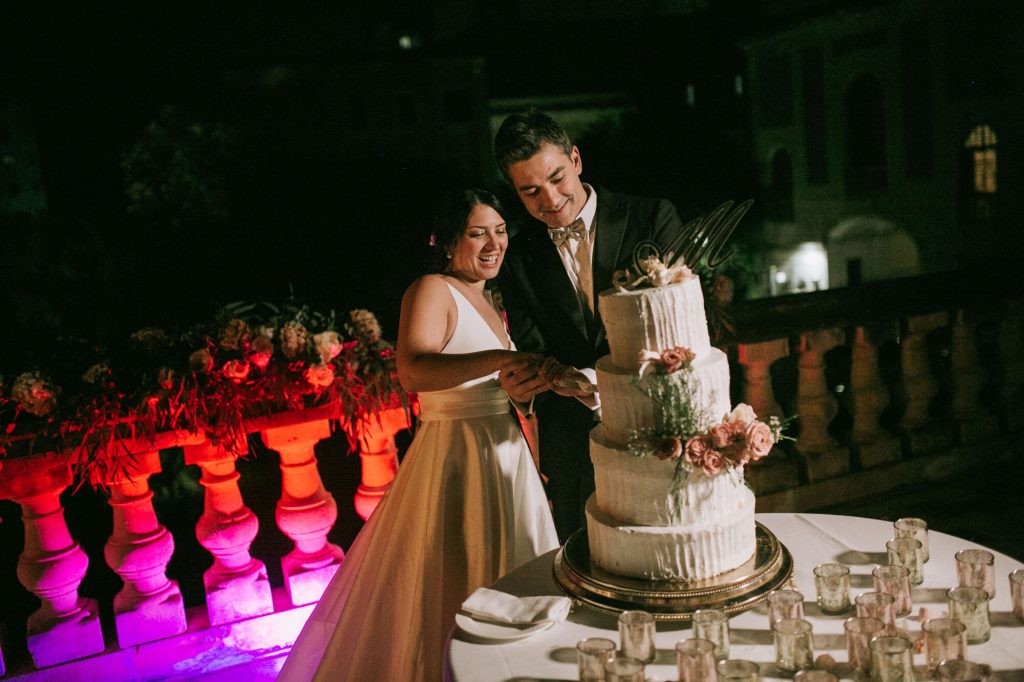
(671, 502)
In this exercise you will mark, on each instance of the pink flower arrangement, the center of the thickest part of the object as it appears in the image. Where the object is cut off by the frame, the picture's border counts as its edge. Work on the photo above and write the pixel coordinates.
(668, 361)
(675, 358)
(739, 438)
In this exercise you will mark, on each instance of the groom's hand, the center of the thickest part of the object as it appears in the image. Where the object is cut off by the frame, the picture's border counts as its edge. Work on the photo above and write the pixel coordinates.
(565, 379)
(521, 379)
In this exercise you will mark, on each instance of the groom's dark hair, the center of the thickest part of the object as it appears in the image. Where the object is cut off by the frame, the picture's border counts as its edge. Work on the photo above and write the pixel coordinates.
(450, 222)
(521, 135)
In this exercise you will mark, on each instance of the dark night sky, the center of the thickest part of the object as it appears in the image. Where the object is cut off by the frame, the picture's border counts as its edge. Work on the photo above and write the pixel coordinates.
(337, 236)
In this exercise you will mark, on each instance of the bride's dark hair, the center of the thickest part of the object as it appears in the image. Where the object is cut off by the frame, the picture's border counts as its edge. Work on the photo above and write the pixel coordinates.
(450, 222)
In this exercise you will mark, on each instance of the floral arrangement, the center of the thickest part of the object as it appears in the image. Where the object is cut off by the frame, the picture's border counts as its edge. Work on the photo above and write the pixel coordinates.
(649, 270)
(688, 434)
(253, 360)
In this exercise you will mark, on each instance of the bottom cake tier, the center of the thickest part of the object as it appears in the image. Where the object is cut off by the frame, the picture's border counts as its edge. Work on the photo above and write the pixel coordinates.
(684, 552)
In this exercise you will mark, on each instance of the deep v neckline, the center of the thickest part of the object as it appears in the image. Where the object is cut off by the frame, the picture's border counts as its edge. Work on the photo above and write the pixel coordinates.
(487, 324)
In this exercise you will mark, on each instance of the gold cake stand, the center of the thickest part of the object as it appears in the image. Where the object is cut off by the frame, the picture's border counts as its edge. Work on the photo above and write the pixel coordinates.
(735, 591)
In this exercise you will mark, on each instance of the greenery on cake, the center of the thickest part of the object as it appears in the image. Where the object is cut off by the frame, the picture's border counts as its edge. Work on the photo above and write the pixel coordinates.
(687, 433)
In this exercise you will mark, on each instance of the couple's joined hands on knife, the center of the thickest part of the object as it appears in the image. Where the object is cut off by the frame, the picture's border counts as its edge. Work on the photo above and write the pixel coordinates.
(527, 374)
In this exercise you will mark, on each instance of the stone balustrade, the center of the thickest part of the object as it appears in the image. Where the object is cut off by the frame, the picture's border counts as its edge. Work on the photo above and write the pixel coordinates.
(885, 382)
(149, 606)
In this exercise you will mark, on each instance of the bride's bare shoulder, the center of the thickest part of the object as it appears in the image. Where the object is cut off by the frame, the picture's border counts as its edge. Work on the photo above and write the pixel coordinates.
(429, 288)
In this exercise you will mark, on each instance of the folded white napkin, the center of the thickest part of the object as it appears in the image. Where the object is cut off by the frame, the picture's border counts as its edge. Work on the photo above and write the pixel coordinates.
(499, 607)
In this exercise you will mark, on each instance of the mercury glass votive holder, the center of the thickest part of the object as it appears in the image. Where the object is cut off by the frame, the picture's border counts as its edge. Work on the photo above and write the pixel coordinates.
(963, 671)
(695, 660)
(969, 605)
(784, 604)
(976, 568)
(859, 630)
(880, 605)
(907, 552)
(591, 655)
(832, 583)
(738, 670)
(894, 580)
(944, 639)
(911, 527)
(794, 648)
(636, 635)
(892, 659)
(1017, 593)
(624, 669)
(713, 625)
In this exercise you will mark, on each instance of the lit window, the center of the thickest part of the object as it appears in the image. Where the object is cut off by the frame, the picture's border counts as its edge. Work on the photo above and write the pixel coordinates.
(982, 146)
(737, 84)
(691, 95)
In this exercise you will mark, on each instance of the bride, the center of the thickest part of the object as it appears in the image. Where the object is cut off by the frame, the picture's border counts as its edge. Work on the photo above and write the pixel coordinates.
(467, 505)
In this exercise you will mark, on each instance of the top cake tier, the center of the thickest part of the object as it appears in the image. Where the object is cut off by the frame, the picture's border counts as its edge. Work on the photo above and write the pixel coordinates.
(654, 319)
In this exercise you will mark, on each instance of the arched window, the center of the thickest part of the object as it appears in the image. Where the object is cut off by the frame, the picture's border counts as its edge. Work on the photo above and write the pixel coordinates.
(981, 171)
(866, 162)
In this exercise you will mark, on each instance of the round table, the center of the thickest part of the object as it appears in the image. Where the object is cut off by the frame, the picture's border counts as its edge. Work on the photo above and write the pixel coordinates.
(812, 539)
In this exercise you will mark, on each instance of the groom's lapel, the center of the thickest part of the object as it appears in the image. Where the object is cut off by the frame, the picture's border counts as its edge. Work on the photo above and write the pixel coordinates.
(552, 283)
(611, 227)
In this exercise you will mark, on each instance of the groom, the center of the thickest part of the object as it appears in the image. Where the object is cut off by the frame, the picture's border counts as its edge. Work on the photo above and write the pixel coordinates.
(553, 271)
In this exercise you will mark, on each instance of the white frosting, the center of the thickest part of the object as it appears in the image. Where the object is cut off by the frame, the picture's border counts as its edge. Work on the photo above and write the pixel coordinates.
(625, 407)
(640, 521)
(654, 319)
(642, 491)
(685, 552)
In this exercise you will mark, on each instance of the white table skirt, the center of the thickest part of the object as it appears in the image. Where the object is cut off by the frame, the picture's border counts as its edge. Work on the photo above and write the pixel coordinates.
(812, 539)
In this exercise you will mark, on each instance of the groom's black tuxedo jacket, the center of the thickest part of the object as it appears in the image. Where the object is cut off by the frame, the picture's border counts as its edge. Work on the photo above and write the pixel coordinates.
(544, 317)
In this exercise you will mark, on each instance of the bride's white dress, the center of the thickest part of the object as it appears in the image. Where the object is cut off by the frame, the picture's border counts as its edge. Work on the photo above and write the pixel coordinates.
(466, 507)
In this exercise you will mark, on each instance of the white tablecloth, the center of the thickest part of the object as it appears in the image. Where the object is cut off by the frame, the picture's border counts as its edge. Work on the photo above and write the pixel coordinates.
(812, 539)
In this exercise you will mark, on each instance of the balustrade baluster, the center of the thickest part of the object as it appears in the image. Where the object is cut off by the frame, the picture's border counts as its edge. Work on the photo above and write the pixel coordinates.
(149, 606)
(757, 359)
(236, 585)
(974, 422)
(378, 456)
(52, 564)
(870, 398)
(817, 407)
(923, 432)
(1011, 357)
(775, 472)
(306, 512)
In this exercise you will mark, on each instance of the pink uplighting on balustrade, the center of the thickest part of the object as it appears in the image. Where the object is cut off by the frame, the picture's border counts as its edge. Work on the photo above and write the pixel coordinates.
(244, 619)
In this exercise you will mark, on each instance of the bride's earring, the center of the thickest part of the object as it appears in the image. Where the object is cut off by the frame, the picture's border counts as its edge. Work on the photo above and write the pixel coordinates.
(448, 255)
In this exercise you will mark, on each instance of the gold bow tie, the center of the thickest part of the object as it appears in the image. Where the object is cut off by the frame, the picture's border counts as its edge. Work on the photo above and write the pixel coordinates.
(574, 231)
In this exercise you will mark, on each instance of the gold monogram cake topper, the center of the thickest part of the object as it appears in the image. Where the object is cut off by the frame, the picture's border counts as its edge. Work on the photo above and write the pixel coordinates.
(700, 241)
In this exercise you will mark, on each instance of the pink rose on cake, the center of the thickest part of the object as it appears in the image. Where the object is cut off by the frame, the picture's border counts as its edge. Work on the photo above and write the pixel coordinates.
(668, 361)
(696, 448)
(701, 455)
(712, 462)
(742, 413)
(723, 435)
(760, 439)
(676, 357)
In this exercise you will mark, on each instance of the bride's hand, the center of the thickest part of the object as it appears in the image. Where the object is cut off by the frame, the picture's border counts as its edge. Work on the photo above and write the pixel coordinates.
(565, 380)
(520, 376)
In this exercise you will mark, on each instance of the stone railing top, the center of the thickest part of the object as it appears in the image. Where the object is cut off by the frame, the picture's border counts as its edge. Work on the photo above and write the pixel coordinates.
(869, 304)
